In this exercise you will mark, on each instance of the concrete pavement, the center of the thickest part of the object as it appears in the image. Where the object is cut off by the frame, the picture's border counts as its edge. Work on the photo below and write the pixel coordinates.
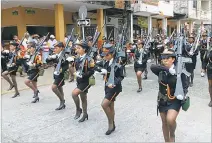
(136, 119)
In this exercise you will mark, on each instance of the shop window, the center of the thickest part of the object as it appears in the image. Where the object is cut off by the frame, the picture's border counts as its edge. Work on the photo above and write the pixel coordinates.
(40, 30)
(90, 31)
(7, 33)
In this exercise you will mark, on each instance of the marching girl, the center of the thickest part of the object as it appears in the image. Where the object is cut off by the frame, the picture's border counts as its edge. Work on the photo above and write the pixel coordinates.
(12, 68)
(4, 59)
(112, 90)
(84, 70)
(140, 63)
(168, 105)
(57, 86)
(189, 51)
(35, 62)
(207, 66)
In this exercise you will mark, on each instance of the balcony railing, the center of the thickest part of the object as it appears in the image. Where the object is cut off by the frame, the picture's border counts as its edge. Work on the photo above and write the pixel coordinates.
(106, 3)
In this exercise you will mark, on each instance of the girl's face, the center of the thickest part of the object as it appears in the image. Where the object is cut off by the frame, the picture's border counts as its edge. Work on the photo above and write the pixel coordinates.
(32, 50)
(108, 57)
(80, 50)
(167, 61)
(57, 50)
(12, 47)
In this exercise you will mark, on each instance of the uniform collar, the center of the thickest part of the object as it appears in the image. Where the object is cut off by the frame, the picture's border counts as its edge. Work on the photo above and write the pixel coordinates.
(111, 61)
(81, 57)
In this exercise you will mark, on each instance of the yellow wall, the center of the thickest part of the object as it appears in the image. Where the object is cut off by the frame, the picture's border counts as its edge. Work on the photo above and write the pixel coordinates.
(7, 19)
(42, 17)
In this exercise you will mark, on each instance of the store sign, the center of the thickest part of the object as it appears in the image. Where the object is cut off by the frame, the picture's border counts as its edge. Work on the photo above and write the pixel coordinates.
(143, 22)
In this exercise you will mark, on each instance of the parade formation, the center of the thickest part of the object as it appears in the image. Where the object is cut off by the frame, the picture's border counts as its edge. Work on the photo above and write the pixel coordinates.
(78, 59)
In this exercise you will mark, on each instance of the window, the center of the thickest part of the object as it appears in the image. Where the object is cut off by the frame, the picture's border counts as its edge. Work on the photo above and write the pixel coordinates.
(194, 4)
(7, 33)
(40, 30)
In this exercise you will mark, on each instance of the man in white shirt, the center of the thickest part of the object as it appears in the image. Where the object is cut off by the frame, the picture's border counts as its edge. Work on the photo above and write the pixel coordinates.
(51, 43)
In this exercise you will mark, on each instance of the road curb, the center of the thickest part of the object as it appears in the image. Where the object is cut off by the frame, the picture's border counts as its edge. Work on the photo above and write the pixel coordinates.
(12, 91)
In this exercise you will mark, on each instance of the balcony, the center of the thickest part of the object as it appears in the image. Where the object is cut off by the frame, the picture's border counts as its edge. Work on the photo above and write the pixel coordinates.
(205, 15)
(145, 8)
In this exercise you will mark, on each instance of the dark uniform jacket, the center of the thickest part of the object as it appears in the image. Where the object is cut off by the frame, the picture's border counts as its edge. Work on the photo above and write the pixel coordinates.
(63, 69)
(166, 80)
(144, 58)
(118, 76)
(87, 69)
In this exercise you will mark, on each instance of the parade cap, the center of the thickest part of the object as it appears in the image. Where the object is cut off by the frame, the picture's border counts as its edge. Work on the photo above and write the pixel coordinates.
(168, 53)
(107, 49)
(104, 38)
(83, 44)
(59, 44)
(204, 34)
(14, 43)
(89, 38)
(111, 39)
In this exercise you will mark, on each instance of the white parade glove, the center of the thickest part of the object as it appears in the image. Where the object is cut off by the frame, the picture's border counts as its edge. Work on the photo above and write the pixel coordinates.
(78, 75)
(53, 56)
(6, 51)
(172, 71)
(103, 71)
(149, 61)
(139, 62)
(179, 97)
(191, 53)
(70, 59)
(27, 56)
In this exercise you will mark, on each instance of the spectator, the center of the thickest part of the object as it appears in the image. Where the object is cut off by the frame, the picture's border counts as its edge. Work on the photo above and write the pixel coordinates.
(45, 54)
(51, 43)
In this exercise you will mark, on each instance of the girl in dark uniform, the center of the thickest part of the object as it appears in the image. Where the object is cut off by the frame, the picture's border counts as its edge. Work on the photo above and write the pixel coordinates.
(4, 59)
(33, 72)
(207, 66)
(57, 86)
(168, 105)
(111, 89)
(203, 50)
(12, 68)
(140, 63)
(189, 51)
(84, 70)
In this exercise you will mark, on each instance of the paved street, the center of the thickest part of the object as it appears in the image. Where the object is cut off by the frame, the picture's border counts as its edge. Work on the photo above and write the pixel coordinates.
(136, 118)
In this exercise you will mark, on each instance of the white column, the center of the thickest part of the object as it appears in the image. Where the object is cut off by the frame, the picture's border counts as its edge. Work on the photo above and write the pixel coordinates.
(165, 25)
(149, 24)
(178, 26)
(131, 27)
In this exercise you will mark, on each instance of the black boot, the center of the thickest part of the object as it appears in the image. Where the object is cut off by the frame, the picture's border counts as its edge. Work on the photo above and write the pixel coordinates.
(17, 94)
(110, 131)
(78, 113)
(36, 93)
(36, 99)
(85, 116)
(139, 90)
(62, 105)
